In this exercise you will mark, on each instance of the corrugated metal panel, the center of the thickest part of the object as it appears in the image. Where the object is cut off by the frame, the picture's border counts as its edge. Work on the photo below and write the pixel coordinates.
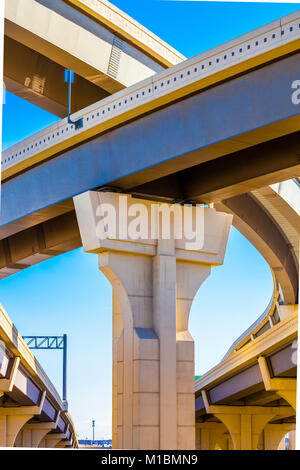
(115, 56)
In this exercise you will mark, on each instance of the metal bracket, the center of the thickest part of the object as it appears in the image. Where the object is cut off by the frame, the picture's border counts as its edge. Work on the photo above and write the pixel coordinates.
(69, 78)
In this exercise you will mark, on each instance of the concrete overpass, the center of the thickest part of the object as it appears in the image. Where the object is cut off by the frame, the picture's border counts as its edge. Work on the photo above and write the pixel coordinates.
(167, 138)
(258, 146)
(248, 401)
(32, 413)
(106, 48)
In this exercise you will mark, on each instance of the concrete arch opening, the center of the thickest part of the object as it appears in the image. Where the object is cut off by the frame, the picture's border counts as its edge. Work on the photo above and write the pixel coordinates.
(277, 437)
(250, 293)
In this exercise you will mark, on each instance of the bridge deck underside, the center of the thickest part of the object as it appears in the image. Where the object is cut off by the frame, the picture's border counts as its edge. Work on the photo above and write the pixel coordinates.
(246, 387)
(192, 149)
(193, 131)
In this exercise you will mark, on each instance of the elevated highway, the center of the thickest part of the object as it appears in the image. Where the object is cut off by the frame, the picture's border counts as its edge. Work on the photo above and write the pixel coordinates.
(106, 48)
(170, 137)
(269, 218)
(220, 129)
(32, 413)
(248, 400)
(187, 102)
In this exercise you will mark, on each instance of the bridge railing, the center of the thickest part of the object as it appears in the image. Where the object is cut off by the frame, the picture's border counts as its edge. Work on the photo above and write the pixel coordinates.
(14, 341)
(192, 75)
(259, 326)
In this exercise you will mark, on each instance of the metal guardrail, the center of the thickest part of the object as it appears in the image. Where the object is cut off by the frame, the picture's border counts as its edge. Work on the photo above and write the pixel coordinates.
(242, 339)
(234, 52)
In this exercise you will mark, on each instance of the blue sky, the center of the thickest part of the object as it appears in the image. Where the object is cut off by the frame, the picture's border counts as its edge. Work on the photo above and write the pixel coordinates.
(68, 294)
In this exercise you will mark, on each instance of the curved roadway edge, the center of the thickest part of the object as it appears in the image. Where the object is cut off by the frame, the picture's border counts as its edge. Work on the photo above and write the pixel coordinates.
(16, 345)
(271, 222)
(114, 18)
(277, 241)
(243, 338)
(279, 334)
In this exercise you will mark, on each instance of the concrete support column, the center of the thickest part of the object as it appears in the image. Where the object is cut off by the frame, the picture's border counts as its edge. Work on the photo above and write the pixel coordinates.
(245, 429)
(292, 440)
(274, 434)
(32, 434)
(61, 445)
(189, 278)
(136, 351)
(117, 327)
(51, 440)
(284, 387)
(164, 322)
(37, 435)
(12, 419)
(212, 436)
(10, 426)
(154, 280)
(246, 423)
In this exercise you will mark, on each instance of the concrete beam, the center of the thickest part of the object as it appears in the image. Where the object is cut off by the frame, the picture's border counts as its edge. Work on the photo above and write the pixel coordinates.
(269, 343)
(284, 387)
(233, 174)
(252, 220)
(36, 218)
(282, 201)
(51, 440)
(245, 423)
(32, 433)
(187, 146)
(41, 242)
(12, 419)
(115, 19)
(263, 216)
(212, 436)
(39, 80)
(7, 384)
(74, 40)
(273, 435)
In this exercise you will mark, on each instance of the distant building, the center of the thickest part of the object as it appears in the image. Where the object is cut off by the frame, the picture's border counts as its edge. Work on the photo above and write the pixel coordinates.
(104, 444)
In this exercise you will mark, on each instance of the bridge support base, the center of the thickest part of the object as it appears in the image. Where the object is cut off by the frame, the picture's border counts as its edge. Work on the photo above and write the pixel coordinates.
(212, 436)
(284, 387)
(154, 282)
(246, 423)
(32, 434)
(10, 425)
(273, 436)
(51, 440)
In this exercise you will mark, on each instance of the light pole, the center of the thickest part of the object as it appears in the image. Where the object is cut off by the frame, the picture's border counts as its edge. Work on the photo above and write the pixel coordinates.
(93, 426)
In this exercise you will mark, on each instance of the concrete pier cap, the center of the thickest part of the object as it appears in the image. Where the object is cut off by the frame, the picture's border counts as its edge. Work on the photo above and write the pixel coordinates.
(156, 256)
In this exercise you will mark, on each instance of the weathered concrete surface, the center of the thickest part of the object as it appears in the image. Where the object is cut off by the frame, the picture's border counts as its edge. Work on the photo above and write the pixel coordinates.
(46, 36)
(248, 400)
(179, 136)
(154, 282)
